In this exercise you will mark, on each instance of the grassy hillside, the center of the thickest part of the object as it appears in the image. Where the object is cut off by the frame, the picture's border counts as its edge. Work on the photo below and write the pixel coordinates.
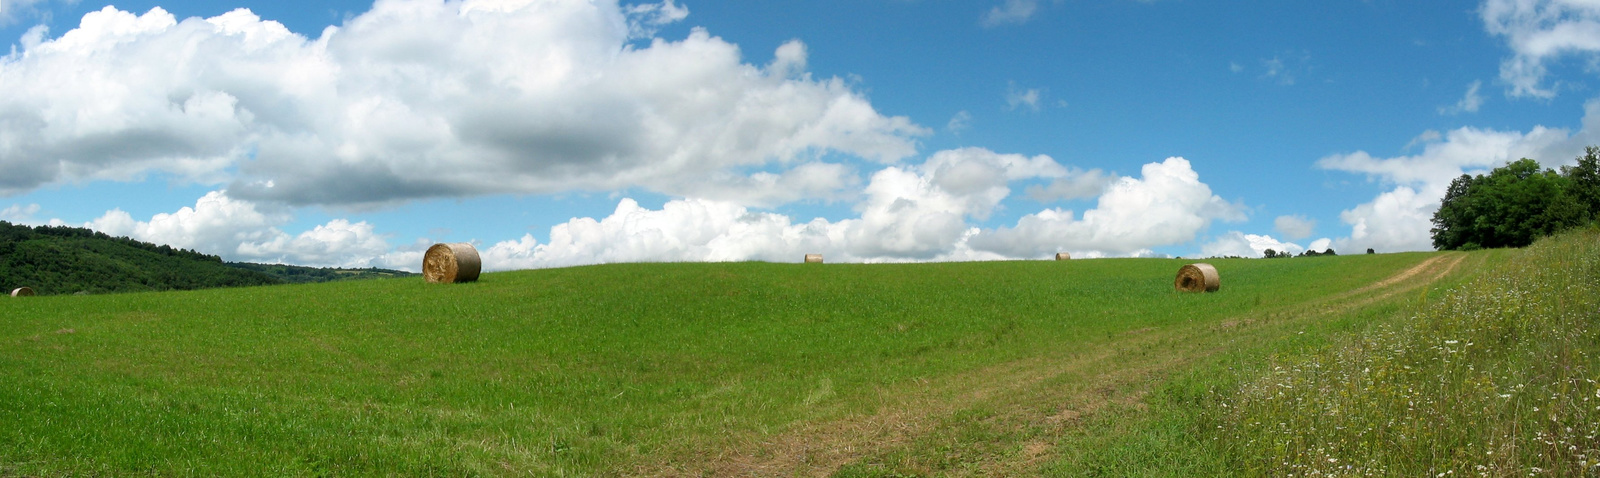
(66, 260)
(1490, 374)
(1494, 378)
(663, 369)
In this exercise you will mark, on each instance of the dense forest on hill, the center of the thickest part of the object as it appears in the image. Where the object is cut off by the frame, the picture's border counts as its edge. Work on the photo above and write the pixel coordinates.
(68, 260)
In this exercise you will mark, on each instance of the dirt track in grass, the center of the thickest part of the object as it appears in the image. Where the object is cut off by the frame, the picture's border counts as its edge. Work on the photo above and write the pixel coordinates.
(1036, 400)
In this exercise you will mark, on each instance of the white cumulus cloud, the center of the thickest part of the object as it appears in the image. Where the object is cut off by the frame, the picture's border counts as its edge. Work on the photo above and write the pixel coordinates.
(339, 242)
(682, 230)
(216, 224)
(239, 230)
(1167, 205)
(919, 213)
(646, 18)
(1397, 220)
(428, 98)
(1541, 32)
(909, 213)
(1239, 244)
(1077, 184)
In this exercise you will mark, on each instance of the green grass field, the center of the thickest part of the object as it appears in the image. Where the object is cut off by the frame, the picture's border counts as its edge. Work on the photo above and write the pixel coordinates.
(1019, 368)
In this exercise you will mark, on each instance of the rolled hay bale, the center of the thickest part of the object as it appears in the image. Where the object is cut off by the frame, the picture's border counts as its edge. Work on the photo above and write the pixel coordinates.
(813, 258)
(21, 292)
(1061, 256)
(451, 263)
(1198, 277)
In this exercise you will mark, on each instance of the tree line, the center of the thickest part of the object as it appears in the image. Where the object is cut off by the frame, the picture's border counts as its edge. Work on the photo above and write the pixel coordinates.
(1274, 254)
(69, 260)
(1515, 204)
(72, 260)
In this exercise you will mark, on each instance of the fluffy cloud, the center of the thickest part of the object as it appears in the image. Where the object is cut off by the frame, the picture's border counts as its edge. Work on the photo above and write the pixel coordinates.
(216, 224)
(907, 213)
(240, 230)
(1399, 219)
(429, 99)
(683, 230)
(813, 180)
(645, 19)
(922, 212)
(916, 213)
(1294, 227)
(1077, 184)
(1239, 244)
(338, 242)
(1167, 205)
(1460, 150)
(1540, 32)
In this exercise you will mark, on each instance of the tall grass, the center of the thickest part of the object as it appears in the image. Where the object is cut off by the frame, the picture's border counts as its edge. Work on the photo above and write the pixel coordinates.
(1494, 378)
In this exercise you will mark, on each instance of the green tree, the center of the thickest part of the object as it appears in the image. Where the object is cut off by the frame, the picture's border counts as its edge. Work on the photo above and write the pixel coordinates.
(1455, 217)
(1510, 207)
(1585, 181)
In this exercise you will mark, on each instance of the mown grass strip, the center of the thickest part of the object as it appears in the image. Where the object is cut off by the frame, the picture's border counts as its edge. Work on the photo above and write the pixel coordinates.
(1096, 417)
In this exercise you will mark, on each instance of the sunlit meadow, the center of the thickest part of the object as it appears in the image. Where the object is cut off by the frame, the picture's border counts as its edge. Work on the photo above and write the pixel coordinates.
(1493, 378)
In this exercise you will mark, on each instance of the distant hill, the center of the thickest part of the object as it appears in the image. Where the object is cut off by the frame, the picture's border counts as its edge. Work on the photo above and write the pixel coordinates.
(68, 260)
(302, 274)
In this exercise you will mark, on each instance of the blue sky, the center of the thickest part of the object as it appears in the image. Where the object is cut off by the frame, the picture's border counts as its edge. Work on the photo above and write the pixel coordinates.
(561, 132)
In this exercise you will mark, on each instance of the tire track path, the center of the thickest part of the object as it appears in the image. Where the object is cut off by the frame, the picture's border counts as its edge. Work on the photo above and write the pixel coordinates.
(1117, 373)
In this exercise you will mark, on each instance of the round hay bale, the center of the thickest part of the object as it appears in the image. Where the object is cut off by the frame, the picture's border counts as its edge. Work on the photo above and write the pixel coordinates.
(451, 263)
(813, 258)
(1198, 277)
(22, 292)
(1061, 256)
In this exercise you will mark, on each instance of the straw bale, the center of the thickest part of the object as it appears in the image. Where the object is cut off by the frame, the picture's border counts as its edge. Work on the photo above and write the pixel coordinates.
(21, 292)
(1061, 256)
(1198, 277)
(813, 258)
(450, 263)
